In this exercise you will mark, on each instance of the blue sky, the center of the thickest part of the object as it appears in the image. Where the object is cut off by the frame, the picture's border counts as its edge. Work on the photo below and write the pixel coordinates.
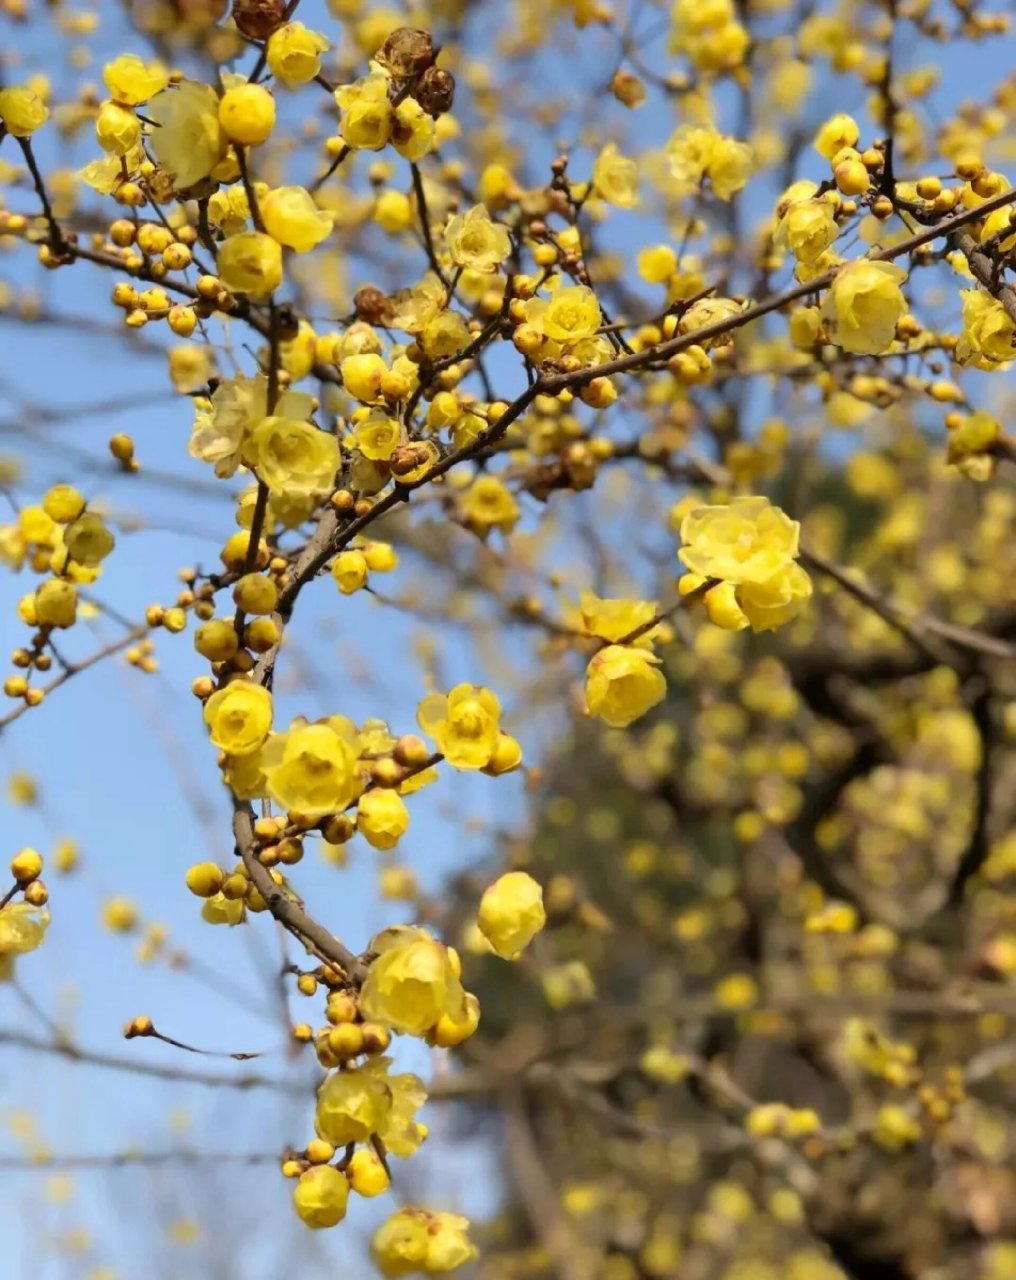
(117, 754)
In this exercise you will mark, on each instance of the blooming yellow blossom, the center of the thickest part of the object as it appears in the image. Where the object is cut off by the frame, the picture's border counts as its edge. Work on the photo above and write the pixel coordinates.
(700, 152)
(414, 1240)
(351, 1106)
(186, 137)
(88, 540)
(622, 684)
(367, 118)
(130, 80)
(294, 459)
(22, 928)
(464, 724)
(807, 229)
(291, 217)
(775, 601)
(511, 913)
(22, 111)
(117, 129)
(350, 571)
(614, 620)
(239, 717)
(476, 242)
(615, 177)
(411, 984)
(708, 32)
(294, 54)
(362, 375)
(987, 340)
(571, 314)
(862, 306)
(377, 435)
(488, 504)
(311, 770)
(250, 262)
(747, 540)
(837, 132)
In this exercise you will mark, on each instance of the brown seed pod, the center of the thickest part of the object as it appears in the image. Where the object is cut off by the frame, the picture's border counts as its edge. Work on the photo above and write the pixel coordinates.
(407, 52)
(257, 19)
(435, 91)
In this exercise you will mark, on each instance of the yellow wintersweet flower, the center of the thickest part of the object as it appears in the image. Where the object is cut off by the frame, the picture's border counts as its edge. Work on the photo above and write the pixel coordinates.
(613, 620)
(971, 444)
(807, 229)
(56, 603)
(239, 717)
(708, 32)
(250, 262)
(700, 152)
(412, 130)
(367, 118)
(22, 111)
(862, 306)
(117, 129)
(294, 54)
(748, 540)
(320, 1196)
(351, 1106)
(476, 242)
(463, 724)
(622, 684)
(839, 131)
(187, 139)
(382, 817)
(571, 313)
(220, 433)
(291, 217)
(294, 459)
(87, 539)
(377, 435)
(988, 332)
(777, 600)
(22, 928)
(130, 80)
(488, 504)
(415, 1240)
(311, 770)
(511, 913)
(615, 177)
(401, 1133)
(412, 983)
(350, 571)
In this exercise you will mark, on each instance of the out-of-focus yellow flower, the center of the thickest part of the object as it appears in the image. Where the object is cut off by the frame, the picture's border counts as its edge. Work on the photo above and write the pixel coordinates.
(700, 152)
(807, 229)
(130, 80)
(291, 217)
(839, 131)
(22, 928)
(488, 504)
(415, 1240)
(511, 913)
(616, 177)
(22, 111)
(186, 137)
(250, 262)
